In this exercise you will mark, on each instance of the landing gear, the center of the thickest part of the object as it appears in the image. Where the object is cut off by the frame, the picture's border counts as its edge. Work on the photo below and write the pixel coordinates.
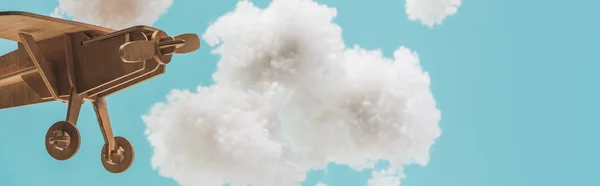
(120, 159)
(117, 153)
(62, 140)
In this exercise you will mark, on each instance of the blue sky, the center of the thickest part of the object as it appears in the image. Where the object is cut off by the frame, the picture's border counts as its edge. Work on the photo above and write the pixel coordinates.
(514, 80)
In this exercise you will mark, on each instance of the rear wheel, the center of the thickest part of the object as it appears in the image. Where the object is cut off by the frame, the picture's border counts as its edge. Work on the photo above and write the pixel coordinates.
(62, 140)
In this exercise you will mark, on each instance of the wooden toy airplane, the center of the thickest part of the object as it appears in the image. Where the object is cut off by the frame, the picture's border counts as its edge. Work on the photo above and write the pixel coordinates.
(68, 61)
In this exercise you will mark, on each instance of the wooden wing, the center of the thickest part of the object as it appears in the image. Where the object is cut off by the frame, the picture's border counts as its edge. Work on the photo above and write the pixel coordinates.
(41, 27)
(19, 94)
(14, 90)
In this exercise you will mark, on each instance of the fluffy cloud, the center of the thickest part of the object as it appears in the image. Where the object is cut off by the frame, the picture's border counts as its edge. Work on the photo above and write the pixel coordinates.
(290, 97)
(116, 14)
(431, 12)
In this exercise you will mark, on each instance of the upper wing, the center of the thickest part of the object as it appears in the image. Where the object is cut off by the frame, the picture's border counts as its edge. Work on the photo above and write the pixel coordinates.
(41, 27)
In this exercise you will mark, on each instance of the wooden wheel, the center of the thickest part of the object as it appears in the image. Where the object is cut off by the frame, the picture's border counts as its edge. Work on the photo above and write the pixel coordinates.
(120, 159)
(62, 140)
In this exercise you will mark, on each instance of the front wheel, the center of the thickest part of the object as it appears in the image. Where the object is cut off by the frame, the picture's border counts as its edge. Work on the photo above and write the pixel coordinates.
(120, 159)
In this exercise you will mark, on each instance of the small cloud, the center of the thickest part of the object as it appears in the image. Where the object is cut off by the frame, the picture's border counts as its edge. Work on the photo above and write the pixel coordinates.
(320, 184)
(385, 178)
(115, 14)
(431, 12)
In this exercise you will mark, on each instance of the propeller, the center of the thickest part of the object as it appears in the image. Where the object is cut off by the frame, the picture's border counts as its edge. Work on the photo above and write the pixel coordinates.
(138, 51)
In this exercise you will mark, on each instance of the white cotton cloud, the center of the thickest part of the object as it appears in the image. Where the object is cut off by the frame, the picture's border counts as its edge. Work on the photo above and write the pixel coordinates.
(320, 184)
(290, 97)
(431, 12)
(115, 14)
(385, 178)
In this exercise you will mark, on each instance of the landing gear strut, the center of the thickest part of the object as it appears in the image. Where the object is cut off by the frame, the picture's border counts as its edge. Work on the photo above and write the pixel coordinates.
(117, 153)
(62, 139)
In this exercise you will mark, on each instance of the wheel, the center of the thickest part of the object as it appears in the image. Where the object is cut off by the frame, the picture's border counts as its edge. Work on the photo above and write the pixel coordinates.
(120, 159)
(62, 140)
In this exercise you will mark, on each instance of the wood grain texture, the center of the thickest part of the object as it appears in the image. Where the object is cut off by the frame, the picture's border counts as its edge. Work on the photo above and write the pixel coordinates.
(42, 27)
(36, 83)
(69, 63)
(16, 76)
(74, 107)
(19, 61)
(148, 66)
(54, 50)
(100, 64)
(18, 94)
(15, 61)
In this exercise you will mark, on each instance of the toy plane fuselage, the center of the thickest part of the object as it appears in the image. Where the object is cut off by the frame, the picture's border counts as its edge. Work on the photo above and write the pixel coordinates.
(68, 61)
(89, 58)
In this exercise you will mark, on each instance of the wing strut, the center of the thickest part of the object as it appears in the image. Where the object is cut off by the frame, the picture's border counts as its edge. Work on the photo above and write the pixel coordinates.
(44, 67)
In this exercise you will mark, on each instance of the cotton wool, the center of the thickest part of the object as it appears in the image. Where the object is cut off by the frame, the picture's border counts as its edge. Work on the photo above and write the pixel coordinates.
(290, 97)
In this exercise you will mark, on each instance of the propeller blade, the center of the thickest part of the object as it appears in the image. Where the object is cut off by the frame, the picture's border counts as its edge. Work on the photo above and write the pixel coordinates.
(192, 43)
(172, 43)
(137, 51)
(168, 47)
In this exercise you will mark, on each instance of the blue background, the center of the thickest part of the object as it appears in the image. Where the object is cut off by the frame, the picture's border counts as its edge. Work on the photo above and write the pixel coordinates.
(515, 80)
